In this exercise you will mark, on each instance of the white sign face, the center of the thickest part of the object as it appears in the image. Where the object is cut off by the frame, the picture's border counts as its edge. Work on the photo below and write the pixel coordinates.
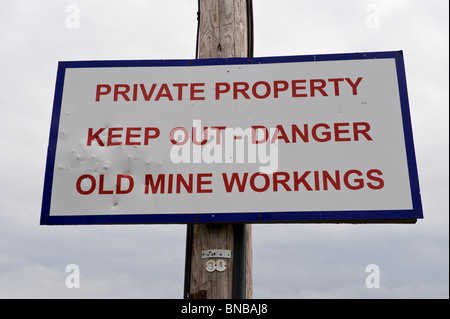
(255, 140)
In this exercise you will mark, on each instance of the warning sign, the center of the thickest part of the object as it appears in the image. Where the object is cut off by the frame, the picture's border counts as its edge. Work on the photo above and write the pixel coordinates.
(300, 138)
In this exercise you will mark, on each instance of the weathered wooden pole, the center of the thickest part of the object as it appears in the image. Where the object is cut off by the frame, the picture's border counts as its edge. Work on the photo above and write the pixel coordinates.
(224, 32)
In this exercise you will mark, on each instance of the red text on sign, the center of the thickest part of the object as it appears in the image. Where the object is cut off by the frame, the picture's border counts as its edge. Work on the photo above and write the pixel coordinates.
(156, 92)
(122, 136)
(293, 88)
(309, 180)
(88, 184)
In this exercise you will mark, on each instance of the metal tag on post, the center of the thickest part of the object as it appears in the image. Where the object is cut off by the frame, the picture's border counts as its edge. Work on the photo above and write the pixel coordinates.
(216, 253)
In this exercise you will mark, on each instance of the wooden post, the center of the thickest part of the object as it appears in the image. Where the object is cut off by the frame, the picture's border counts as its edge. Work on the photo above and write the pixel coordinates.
(223, 33)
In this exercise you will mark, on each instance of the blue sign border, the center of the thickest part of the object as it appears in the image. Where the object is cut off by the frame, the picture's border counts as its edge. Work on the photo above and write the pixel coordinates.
(375, 216)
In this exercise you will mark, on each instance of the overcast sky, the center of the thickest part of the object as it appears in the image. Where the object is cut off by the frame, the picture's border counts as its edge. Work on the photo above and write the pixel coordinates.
(147, 261)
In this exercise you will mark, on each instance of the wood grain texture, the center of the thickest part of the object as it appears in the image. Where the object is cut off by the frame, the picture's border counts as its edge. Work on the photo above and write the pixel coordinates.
(223, 29)
(211, 285)
(222, 34)
(217, 285)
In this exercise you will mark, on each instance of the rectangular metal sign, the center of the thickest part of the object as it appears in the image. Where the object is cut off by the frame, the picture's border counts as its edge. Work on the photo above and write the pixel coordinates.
(280, 139)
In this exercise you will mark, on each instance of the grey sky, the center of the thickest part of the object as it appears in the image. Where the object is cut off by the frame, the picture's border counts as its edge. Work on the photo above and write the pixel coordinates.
(147, 261)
